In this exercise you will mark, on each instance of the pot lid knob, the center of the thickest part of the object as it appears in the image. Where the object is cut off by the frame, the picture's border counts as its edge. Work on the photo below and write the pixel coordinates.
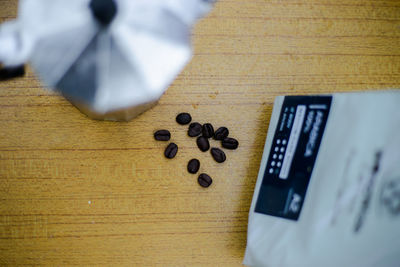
(103, 10)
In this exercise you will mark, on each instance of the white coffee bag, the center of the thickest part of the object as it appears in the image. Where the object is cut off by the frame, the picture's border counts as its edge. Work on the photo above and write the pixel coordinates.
(328, 189)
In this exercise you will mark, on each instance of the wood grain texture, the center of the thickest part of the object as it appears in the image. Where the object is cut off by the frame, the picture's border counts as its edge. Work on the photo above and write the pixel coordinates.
(74, 191)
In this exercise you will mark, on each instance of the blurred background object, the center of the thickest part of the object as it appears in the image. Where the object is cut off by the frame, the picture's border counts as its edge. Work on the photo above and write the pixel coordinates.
(113, 59)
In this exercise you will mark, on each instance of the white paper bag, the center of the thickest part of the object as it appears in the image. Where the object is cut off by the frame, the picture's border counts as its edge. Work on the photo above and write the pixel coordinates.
(328, 189)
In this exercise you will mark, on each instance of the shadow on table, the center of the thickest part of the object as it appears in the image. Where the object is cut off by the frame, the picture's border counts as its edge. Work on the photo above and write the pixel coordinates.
(250, 178)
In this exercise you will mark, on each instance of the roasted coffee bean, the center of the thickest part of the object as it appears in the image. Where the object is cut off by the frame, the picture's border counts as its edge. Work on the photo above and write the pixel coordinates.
(230, 143)
(203, 143)
(218, 155)
(171, 150)
(193, 166)
(221, 133)
(7, 73)
(208, 130)
(162, 135)
(183, 118)
(194, 129)
(204, 180)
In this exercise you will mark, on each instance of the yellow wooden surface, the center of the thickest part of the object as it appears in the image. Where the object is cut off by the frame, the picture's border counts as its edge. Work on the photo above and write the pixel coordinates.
(77, 191)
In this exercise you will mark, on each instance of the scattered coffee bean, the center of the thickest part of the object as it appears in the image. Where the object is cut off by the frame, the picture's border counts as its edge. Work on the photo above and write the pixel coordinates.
(183, 118)
(203, 143)
(218, 155)
(221, 133)
(230, 143)
(7, 73)
(193, 165)
(204, 180)
(194, 129)
(171, 150)
(208, 130)
(162, 135)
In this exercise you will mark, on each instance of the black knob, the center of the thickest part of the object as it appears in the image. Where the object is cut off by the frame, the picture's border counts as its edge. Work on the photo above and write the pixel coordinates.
(7, 73)
(103, 10)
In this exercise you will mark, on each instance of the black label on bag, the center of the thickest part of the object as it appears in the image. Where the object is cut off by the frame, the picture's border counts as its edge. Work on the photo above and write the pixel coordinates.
(292, 156)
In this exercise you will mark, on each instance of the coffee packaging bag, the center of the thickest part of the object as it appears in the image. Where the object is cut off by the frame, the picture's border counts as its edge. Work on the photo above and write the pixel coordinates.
(328, 188)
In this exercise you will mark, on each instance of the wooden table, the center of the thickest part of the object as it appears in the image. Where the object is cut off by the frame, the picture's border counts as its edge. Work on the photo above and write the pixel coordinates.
(75, 191)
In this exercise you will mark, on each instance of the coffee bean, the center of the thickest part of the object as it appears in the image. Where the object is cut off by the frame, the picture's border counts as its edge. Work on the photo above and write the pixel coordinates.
(204, 180)
(183, 118)
(230, 143)
(194, 129)
(7, 73)
(162, 135)
(203, 143)
(193, 165)
(218, 155)
(171, 150)
(208, 130)
(221, 133)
